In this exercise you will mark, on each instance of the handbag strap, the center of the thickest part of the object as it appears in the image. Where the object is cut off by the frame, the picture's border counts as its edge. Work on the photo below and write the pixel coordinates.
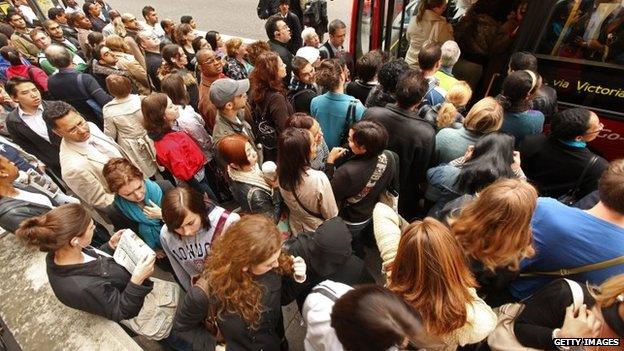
(394, 184)
(577, 293)
(380, 169)
(325, 291)
(220, 224)
(577, 186)
(563, 272)
(314, 214)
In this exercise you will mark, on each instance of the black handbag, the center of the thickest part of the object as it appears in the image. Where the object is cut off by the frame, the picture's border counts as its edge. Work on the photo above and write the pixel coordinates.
(263, 128)
(349, 121)
(570, 198)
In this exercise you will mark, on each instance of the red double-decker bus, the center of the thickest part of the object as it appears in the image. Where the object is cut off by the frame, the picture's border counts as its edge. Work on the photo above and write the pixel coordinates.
(551, 30)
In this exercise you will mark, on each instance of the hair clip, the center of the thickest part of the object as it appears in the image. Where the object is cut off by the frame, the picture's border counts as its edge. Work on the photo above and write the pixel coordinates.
(620, 297)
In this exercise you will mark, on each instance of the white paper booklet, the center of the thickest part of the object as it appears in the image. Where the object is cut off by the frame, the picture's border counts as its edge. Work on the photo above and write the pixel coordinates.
(131, 250)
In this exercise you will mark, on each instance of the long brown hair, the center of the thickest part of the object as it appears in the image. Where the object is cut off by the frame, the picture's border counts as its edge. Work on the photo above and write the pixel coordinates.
(430, 272)
(248, 242)
(264, 77)
(495, 229)
(55, 229)
(153, 108)
(609, 292)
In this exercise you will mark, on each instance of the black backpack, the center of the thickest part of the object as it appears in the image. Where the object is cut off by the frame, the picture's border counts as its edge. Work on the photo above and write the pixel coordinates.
(315, 15)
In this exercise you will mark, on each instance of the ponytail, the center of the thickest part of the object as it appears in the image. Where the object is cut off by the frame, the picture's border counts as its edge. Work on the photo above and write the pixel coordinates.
(55, 229)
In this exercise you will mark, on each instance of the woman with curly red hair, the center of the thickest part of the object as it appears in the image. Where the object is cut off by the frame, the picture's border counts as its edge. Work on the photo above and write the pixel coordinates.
(243, 285)
(271, 108)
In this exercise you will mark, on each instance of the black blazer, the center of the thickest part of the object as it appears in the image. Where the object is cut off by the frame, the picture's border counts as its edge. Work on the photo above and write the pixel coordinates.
(31, 142)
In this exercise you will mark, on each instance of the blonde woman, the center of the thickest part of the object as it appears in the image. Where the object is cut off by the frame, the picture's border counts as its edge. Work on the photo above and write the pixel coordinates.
(127, 62)
(494, 231)
(449, 113)
(237, 67)
(484, 117)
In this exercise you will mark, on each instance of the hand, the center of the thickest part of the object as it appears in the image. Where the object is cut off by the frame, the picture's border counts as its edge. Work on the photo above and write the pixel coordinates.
(299, 266)
(153, 211)
(160, 254)
(468, 153)
(143, 270)
(585, 325)
(335, 154)
(114, 240)
(516, 158)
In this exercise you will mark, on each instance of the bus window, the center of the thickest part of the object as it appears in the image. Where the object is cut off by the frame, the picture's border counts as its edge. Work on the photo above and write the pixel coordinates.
(401, 14)
(364, 28)
(581, 53)
(588, 30)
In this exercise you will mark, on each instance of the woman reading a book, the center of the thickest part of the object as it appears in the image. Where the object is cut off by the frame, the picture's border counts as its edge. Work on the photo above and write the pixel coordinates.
(81, 276)
(91, 279)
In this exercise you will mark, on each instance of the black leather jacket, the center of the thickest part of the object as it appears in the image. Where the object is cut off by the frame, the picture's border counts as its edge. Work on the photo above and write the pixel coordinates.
(253, 199)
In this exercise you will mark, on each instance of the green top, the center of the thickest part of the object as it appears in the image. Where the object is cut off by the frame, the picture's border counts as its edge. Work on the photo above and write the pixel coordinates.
(45, 65)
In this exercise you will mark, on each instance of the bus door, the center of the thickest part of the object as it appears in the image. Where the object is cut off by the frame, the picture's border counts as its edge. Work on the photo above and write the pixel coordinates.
(380, 24)
(580, 49)
(398, 15)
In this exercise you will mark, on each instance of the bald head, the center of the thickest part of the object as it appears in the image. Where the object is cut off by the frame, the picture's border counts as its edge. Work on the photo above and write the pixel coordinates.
(58, 56)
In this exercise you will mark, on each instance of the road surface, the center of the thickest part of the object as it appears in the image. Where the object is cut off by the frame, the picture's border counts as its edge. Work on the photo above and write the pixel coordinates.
(231, 17)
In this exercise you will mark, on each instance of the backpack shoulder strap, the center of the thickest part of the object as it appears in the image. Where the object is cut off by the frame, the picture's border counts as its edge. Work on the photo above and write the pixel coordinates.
(325, 291)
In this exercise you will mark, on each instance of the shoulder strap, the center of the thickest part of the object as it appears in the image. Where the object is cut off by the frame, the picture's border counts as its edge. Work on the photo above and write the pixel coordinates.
(579, 181)
(394, 183)
(380, 169)
(314, 214)
(577, 293)
(325, 291)
(563, 272)
(219, 227)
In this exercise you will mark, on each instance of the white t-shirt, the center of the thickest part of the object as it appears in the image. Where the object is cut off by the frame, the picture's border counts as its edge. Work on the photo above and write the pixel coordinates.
(35, 122)
(33, 197)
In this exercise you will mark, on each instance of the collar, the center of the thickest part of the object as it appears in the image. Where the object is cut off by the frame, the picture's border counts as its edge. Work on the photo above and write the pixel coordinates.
(334, 49)
(574, 143)
(447, 70)
(208, 80)
(21, 112)
(403, 112)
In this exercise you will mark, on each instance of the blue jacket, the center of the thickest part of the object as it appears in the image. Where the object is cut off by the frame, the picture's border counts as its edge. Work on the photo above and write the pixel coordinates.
(330, 110)
(441, 187)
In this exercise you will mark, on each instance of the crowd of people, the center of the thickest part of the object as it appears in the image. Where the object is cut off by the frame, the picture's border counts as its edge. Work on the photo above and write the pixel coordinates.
(266, 173)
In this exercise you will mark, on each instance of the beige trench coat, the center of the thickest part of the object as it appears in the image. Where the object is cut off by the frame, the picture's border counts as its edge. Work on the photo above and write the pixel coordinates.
(123, 122)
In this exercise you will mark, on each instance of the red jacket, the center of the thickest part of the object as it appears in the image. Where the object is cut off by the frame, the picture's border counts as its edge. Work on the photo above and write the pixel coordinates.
(179, 153)
(38, 75)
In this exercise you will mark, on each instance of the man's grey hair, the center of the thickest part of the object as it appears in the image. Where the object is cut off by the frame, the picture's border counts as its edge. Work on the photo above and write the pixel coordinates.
(450, 53)
(307, 33)
(58, 56)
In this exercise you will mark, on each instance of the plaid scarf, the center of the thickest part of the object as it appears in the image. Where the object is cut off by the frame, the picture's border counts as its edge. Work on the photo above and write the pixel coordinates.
(297, 85)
